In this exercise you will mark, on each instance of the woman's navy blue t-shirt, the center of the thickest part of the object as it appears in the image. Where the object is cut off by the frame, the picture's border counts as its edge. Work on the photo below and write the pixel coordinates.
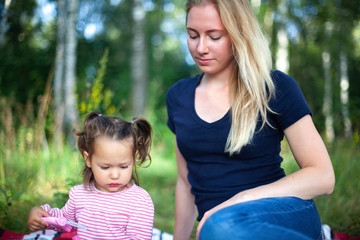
(214, 175)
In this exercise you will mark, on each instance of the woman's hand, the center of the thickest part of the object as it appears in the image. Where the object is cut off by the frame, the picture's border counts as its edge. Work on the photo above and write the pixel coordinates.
(240, 197)
(35, 221)
(203, 220)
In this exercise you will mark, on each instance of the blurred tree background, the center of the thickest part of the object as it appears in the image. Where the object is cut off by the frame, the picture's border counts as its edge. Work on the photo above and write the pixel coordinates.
(61, 59)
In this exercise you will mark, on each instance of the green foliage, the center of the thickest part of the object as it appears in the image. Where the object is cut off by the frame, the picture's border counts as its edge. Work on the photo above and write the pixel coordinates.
(6, 202)
(25, 53)
(34, 179)
(98, 98)
(29, 176)
(61, 194)
(29, 52)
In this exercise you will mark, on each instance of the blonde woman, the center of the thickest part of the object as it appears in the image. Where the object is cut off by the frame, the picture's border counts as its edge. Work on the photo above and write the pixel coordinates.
(229, 122)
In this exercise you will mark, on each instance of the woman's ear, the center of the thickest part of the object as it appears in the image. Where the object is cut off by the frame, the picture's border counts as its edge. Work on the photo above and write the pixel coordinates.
(87, 159)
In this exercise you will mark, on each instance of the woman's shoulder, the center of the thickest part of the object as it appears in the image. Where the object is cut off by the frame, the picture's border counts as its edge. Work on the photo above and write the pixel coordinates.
(184, 84)
(289, 102)
(282, 79)
(284, 83)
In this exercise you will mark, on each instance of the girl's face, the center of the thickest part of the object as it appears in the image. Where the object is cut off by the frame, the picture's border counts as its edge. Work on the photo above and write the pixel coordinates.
(208, 40)
(112, 164)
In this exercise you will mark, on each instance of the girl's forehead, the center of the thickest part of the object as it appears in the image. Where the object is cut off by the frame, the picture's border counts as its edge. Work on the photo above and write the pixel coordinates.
(109, 149)
(111, 145)
(108, 140)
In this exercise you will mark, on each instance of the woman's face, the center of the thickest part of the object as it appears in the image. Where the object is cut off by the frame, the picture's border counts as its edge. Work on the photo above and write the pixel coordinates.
(208, 40)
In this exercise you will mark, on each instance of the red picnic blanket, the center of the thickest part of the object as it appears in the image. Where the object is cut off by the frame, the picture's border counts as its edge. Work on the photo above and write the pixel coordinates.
(42, 234)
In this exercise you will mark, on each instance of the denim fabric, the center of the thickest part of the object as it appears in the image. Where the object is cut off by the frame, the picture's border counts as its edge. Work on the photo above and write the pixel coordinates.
(282, 218)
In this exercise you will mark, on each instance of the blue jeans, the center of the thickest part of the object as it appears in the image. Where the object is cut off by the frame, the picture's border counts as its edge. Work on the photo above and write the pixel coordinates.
(282, 218)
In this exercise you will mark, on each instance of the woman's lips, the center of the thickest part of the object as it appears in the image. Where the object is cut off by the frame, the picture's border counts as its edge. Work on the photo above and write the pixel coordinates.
(204, 61)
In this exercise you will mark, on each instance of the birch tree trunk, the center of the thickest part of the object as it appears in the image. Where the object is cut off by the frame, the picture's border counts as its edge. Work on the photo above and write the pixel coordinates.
(344, 94)
(282, 55)
(138, 61)
(59, 73)
(70, 113)
(327, 103)
(256, 5)
(65, 71)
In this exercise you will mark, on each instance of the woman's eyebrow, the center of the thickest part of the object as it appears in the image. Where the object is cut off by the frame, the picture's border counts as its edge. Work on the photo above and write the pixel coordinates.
(208, 31)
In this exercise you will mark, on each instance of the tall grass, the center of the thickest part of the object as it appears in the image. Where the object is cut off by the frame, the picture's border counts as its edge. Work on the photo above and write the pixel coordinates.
(341, 210)
(32, 176)
(35, 178)
(31, 171)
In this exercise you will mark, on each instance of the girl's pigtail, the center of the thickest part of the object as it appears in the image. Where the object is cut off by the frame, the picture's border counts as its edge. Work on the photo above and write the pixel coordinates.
(86, 133)
(85, 141)
(142, 140)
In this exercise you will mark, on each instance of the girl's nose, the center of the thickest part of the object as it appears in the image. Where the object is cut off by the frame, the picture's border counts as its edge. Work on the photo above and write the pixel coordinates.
(114, 174)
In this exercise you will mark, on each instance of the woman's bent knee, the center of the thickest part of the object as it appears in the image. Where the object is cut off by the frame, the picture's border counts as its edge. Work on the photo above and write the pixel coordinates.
(284, 218)
(221, 225)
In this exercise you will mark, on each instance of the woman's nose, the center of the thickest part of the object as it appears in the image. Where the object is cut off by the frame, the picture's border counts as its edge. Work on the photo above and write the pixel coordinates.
(202, 46)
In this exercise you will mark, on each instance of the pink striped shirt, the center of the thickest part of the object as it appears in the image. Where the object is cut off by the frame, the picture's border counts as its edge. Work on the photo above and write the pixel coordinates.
(128, 214)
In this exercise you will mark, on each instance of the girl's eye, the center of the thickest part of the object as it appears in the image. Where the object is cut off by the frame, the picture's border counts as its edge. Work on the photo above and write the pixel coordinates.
(104, 167)
(124, 167)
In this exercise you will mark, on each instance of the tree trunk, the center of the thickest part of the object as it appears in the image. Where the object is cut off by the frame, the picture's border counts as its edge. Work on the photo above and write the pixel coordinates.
(327, 104)
(65, 72)
(256, 5)
(138, 61)
(70, 113)
(344, 94)
(328, 95)
(59, 73)
(282, 59)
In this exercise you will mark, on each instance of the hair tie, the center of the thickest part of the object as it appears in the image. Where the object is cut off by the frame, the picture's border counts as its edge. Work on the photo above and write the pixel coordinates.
(100, 115)
(132, 122)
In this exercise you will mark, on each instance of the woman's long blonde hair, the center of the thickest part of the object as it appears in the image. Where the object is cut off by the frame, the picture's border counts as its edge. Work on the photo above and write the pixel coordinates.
(252, 86)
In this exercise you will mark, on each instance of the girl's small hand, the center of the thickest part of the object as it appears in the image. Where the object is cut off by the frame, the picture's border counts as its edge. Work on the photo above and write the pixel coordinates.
(35, 222)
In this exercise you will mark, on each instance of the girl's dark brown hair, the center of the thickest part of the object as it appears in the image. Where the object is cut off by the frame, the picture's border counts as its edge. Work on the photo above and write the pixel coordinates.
(138, 131)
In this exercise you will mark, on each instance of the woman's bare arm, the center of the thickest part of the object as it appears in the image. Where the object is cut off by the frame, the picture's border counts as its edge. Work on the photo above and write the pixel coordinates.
(185, 209)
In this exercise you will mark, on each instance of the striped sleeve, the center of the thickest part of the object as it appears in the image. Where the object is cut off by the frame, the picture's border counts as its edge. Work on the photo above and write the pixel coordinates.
(68, 211)
(140, 223)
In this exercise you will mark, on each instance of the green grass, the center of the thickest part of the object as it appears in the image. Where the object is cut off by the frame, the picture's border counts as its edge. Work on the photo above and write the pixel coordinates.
(29, 178)
(341, 210)
(33, 178)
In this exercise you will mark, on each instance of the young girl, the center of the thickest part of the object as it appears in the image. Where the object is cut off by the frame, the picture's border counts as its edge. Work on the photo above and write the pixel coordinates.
(108, 204)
